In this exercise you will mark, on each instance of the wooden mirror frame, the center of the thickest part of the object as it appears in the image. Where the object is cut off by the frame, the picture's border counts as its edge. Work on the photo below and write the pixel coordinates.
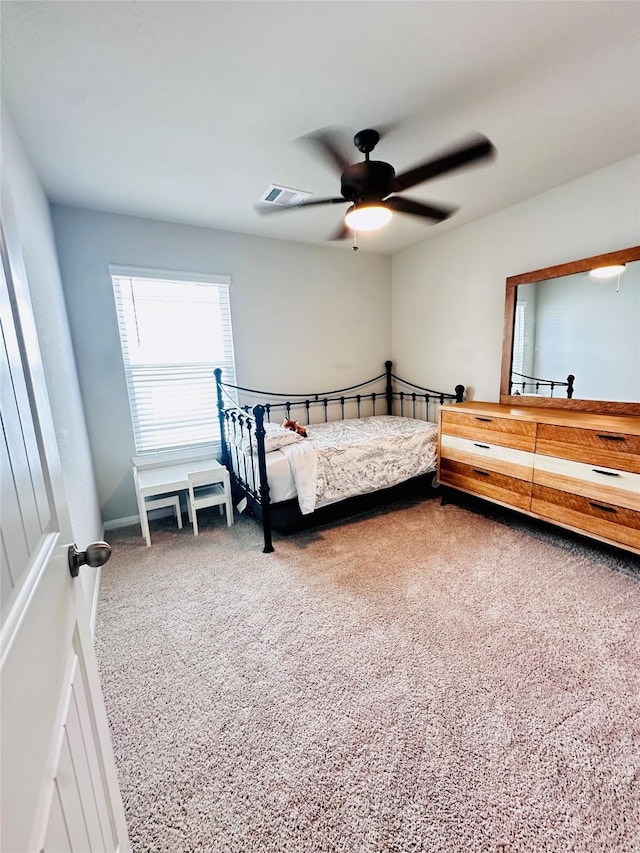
(622, 257)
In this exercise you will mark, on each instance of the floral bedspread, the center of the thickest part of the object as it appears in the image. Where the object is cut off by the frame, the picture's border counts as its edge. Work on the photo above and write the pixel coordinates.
(342, 459)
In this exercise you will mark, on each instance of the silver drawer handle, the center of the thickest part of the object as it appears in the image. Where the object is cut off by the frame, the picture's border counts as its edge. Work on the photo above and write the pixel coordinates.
(606, 473)
(483, 446)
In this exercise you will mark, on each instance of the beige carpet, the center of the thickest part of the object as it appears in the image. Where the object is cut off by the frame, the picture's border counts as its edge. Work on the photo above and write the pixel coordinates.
(426, 679)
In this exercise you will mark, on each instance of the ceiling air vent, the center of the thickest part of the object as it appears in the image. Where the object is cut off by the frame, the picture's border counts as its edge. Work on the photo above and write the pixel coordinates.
(284, 196)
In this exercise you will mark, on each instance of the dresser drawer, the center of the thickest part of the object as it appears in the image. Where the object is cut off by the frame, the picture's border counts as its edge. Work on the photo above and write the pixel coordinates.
(615, 523)
(600, 447)
(493, 457)
(507, 432)
(479, 481)
(590, 481)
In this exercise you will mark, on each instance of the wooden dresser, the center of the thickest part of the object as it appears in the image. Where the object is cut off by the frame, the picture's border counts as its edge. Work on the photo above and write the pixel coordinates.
(575, 469)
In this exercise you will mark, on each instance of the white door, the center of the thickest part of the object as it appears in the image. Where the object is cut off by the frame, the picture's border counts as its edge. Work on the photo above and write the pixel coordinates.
(59, 789)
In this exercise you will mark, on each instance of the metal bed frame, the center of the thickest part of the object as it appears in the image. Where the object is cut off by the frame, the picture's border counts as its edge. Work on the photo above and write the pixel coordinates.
(523, 382)
(246, 423)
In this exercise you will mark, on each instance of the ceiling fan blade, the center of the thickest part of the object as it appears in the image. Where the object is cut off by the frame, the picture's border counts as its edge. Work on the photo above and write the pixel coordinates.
(418, 208)
(279, 208)
(341, 233)
(327, 142)
(477, 148)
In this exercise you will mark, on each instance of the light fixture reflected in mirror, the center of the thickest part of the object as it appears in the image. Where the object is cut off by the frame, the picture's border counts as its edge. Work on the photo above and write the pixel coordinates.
(367, 217)
(611, 271)
(607, 272)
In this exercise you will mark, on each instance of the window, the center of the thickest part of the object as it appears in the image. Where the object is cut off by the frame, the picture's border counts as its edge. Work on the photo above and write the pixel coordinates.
(517, 363)
(175, 329)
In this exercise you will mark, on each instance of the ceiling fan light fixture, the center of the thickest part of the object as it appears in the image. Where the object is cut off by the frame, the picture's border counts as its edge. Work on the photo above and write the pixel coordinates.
(367, 217)
(607, 272)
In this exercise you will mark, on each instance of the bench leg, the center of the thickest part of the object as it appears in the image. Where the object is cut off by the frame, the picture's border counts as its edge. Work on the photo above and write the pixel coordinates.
(178, 512)
(144, 519)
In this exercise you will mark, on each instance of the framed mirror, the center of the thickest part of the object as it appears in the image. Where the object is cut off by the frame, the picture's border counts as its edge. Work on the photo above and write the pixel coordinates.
(572, 336)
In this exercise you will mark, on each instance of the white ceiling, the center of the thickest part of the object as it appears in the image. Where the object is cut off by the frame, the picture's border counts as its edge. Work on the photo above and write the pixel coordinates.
(187, 111)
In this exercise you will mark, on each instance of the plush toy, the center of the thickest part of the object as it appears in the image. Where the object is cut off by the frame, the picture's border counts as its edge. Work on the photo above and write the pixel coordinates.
(288, 423)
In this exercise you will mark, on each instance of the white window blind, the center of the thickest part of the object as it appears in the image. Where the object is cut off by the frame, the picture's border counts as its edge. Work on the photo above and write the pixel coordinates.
(175, 329)
(517, 363)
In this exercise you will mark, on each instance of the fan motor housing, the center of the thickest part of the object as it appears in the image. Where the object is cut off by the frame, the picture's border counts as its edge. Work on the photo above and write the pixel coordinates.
(368, 181)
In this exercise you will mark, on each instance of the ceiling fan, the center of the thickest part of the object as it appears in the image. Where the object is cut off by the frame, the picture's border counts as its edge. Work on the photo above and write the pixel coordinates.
(370, 186)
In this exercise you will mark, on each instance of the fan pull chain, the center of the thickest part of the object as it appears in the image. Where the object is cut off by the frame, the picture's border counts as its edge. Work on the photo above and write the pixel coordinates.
(355, 241)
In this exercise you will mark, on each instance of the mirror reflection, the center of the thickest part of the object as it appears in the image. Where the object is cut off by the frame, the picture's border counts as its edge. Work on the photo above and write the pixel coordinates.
(579, 326)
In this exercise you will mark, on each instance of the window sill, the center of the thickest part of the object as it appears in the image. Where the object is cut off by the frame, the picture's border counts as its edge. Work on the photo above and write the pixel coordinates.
(168, 457)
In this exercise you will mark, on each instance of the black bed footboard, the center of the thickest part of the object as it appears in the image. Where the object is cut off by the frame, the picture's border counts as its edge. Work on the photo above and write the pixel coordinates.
(242, 427)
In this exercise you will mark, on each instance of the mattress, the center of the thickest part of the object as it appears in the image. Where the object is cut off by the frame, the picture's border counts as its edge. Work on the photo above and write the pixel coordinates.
(342, 459)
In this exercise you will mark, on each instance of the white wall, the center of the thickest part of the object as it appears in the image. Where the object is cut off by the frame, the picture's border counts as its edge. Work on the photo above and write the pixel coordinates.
(448, 292)
(38, 246)
(304, 318)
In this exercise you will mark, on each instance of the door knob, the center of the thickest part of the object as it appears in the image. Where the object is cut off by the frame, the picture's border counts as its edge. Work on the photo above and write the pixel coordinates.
(96, 555)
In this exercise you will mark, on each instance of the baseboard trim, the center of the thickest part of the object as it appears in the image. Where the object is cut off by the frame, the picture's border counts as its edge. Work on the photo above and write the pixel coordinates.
(129, 520)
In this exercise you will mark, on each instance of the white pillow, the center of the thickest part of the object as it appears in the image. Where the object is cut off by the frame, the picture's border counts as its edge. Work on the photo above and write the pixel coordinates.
(276, 436)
